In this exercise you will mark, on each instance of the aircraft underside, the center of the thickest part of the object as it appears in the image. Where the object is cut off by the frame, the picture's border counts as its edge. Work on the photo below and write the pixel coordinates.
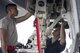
(49, 13)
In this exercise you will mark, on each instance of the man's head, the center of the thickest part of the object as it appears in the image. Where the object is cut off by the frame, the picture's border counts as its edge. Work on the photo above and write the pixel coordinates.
(11, 9)
(56, 32)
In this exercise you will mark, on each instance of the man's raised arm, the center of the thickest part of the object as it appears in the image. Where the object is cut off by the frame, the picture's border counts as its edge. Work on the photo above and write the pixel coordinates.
(22, 18)
(62, 34)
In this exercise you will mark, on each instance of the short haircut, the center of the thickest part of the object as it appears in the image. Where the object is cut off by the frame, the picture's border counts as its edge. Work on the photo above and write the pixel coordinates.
(9, 5)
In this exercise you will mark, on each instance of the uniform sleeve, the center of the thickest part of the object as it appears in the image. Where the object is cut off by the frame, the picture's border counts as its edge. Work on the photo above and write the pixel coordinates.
(61, 47)
(3, 24)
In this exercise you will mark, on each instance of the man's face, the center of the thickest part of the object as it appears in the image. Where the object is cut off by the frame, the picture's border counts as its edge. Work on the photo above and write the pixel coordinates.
(56, 32)
(14, 11)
